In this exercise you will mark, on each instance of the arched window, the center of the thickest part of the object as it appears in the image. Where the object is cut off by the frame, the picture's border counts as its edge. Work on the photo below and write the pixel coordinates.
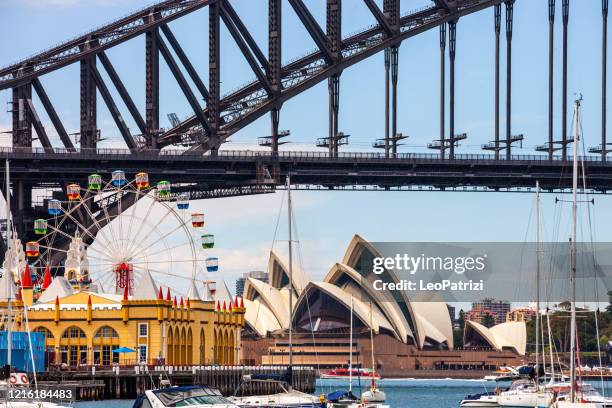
(177, 347)
(170, 346)
(106, 332)
(232, 349)
(216, 347)
(202, 347)
(189, 347)
(45, 331)
(224, 357)
(105, 340)
(183, 346)
(73, 347)
(49, 344)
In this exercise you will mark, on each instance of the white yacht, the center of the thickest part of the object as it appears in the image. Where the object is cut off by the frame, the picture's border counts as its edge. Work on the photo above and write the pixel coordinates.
(193, 396)
(485, 399)
(524, 393)
(281, 395)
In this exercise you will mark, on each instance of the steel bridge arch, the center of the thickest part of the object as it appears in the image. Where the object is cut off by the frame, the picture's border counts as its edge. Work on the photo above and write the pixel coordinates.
(275, 84)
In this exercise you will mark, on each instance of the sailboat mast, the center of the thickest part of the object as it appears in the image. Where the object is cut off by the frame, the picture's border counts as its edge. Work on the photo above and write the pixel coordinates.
(538, 239)
(573, 250)
(289, 215)
(9, 266)
(351, 349)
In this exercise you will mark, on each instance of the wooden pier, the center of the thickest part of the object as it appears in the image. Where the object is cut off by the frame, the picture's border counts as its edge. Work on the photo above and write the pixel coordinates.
(90, 383)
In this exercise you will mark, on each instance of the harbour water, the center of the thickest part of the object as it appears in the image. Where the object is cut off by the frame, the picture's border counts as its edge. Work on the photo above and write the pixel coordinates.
(412, 393)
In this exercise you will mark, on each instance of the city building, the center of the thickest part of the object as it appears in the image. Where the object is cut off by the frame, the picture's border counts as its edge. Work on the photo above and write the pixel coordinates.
(521, 314)
(259, 275)
(497, 309)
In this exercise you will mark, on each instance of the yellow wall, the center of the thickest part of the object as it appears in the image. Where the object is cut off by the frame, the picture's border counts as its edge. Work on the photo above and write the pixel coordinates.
(182, 337)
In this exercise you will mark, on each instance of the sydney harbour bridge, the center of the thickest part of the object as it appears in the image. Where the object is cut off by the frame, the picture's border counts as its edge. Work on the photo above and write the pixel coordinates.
(191, 154)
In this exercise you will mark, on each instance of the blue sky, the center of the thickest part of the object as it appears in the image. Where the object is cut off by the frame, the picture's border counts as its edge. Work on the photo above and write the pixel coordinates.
(327, 220)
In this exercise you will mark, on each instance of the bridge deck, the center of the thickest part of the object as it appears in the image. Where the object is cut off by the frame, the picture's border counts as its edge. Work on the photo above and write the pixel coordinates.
(237, 168)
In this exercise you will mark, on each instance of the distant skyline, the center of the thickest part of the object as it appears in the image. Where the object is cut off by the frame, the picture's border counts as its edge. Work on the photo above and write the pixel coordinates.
(327, 220)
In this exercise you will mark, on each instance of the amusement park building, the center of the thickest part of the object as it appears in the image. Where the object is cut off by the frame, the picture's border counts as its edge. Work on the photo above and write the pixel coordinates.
(83, 327)
(406, 334)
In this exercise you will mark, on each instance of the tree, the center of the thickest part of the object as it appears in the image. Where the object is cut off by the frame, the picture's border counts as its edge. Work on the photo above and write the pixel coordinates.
(609, 307)
(487, 320)
(461, 320)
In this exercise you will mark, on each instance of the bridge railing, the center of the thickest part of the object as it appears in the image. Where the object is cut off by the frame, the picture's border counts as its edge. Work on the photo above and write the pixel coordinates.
(178, 154)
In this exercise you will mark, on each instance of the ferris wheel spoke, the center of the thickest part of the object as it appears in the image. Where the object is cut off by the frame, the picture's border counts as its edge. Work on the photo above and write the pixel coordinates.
(109, 225)
(163, 237)
(107, 242)
(141, 225)
(157, 271)
(53, 249)
(182, 244)
(169, 211)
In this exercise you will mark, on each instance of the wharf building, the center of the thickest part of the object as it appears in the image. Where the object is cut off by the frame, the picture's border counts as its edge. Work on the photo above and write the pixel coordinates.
(83, 326)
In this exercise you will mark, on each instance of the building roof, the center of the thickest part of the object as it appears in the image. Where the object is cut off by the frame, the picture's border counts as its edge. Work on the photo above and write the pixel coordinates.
(426, 323)
(193, 292)
(270, 297)
(278, 273)
(59, 287)
(508, 335)
(146, 288)
(260, 317)
(361, 309)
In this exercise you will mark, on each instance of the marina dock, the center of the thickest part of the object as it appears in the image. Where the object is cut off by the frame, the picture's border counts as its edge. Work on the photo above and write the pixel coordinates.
(129, 382)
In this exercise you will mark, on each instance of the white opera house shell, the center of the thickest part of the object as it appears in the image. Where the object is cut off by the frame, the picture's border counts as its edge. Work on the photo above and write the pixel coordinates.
(325, 306)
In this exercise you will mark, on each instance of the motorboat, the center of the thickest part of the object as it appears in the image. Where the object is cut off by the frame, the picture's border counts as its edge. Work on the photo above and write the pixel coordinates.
(485, 399)
(525, 393)
(346, 374)
(281, 395)
(194, 396)
(346, 399)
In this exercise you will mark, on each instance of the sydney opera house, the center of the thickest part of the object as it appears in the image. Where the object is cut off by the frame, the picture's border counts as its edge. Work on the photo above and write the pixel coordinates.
(407, 334)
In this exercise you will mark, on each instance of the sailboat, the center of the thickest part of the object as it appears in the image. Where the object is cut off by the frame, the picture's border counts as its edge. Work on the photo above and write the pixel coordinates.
(284, 396)
(523, 392)
(371, 398)
(374, 394)
(575, 398)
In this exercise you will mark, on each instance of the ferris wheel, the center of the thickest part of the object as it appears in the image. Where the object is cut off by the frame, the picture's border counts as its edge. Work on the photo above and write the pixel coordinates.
(113, 232)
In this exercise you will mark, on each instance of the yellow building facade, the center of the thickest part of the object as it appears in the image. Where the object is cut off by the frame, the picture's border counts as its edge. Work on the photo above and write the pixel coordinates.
(83, 329)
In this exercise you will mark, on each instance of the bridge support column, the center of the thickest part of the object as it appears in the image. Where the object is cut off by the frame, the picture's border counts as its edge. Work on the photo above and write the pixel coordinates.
(333, 86)
(391, 9)
(452, 47)
(551, 37)
(21, 117)
(604, 60)
(387, 67)
(442, 85)
(564, 140)
(214, 71)
(275, 117)
(274, 58)
(394, 75)
(509, 18)
(89, 127)
(497, 18)
(334, 35)
(152, 87)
